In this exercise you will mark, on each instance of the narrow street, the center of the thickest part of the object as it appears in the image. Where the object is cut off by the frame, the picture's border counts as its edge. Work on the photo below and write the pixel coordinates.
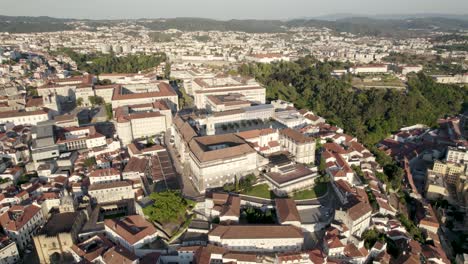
(183, 173)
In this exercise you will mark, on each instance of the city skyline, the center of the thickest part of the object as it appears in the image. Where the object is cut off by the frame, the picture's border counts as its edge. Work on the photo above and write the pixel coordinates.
(260, 9)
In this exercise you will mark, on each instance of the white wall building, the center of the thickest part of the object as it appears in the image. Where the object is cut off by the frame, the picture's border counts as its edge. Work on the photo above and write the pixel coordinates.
(20, 223)
(111, 192)
(9, 253)
(24, 118)
(258, 238)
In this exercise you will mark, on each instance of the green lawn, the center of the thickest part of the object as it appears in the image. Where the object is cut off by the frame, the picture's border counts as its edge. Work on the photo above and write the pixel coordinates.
(261, 191)
(318, 190)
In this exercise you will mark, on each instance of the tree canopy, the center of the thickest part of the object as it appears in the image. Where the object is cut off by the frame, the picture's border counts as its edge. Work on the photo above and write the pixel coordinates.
(98, 63)
(168, 206)
(370, 115)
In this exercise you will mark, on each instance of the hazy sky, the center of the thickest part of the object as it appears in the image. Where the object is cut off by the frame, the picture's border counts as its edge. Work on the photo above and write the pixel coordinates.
(224, 9)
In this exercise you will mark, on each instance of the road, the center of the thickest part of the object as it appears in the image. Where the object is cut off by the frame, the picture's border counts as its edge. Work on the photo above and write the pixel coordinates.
(183, 173)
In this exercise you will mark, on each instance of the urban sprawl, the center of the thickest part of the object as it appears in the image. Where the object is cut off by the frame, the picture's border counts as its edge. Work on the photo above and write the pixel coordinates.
(124, 144)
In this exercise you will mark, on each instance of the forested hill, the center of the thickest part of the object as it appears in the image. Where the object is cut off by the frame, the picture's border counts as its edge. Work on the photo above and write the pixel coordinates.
(371, 115)
(203, 24)
(32, 24)
(386, 27)
(356, 25)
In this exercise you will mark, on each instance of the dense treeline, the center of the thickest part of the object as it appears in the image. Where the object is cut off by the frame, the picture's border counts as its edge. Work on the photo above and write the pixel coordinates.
(109, 63)
(368, 114)
(455, 47)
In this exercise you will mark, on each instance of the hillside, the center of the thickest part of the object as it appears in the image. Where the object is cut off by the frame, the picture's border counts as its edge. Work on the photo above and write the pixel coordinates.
(407, 27)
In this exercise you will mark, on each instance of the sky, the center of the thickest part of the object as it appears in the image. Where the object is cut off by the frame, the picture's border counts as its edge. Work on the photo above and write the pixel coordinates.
(225, 9)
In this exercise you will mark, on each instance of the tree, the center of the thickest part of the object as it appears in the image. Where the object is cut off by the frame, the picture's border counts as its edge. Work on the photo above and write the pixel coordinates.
(104, 82)
(32, 91)
(247, 182)
(167, 207)
(322, 166)
(79, 101)
(109, 111)
(409, 225)
(370, 115)
(395, 175)
(98, 63)
(89, 162)
(96, 100)
(167, 70)
(371, 236)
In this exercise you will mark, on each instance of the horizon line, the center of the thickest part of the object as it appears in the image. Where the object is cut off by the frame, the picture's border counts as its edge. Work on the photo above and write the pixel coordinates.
(316, 17)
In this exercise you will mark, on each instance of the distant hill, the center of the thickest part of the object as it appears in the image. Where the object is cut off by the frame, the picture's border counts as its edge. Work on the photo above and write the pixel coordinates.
(203, 24)
(404, 27)
(22, 24)
(386, 27)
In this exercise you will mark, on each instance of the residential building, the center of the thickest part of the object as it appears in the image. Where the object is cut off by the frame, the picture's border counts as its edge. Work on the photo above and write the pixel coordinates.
(20, 223)
(132, 232)
(224, 206)
(355, 210)
(104, 176)
(457, 155)
(75, 138)
(23, 117)
(9, 253)
(111, 192)
(300, 146)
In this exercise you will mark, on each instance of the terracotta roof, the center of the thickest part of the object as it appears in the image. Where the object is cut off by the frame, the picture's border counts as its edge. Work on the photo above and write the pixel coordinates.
(232, 207)
(23, 215)
(241, 257)
(296, 136)
(353, 252)
(203, 254)
(7, 114)
(357, 208)
(131, 228)
(235, 146)
(164, 91)
(34, 102)
(119, 254)
(101, 186)
(256, 231)
(104, 172)
(286, 210)
(136, 165)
